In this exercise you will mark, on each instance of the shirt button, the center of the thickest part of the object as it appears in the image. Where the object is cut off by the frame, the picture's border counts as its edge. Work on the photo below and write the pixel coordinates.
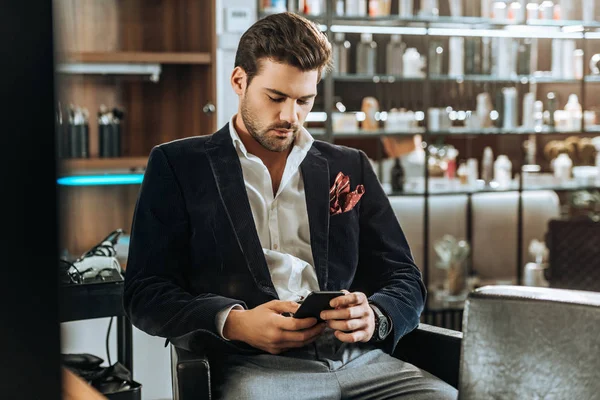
(275, 246)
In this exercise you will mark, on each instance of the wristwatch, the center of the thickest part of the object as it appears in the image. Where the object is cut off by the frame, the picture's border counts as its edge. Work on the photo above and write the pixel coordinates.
(383, 325)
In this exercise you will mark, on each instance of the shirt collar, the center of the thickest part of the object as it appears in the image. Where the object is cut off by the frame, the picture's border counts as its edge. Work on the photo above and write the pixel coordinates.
(303, 142)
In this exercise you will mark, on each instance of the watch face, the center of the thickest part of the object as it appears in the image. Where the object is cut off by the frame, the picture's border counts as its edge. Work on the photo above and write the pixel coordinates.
(383, 329)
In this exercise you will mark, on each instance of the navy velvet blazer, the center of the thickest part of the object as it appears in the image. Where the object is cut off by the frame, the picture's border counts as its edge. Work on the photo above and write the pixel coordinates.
(194, 249)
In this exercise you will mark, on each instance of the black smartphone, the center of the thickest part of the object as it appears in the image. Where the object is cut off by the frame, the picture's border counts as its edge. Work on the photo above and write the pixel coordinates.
(316, 302)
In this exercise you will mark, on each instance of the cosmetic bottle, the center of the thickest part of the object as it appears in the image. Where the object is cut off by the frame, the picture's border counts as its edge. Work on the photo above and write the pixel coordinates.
(562, 167)
(429, 8)
(510, 108)
(483, 110)
(502, 171)
(551, 108)
(568, 62)
(405, 8)
(394, 53)
(557, 58)
(341, 54)
(528, 111)
(457, 56)
(589, 10)
(573, 108)
(366, 55)
(436, 57)
(487, 165)
(397, 176)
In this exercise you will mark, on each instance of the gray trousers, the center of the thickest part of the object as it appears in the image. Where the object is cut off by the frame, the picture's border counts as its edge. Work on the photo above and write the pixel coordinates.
(327, 369)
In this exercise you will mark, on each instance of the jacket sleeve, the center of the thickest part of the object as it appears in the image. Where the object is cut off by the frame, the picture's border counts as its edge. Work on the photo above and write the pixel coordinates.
(156, 298)
(393, 281)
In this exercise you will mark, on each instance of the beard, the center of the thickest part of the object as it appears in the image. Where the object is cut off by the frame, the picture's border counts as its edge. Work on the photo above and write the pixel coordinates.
(263, 134)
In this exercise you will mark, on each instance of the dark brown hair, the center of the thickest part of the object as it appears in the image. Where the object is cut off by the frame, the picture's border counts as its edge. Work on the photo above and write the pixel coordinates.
(286, 38)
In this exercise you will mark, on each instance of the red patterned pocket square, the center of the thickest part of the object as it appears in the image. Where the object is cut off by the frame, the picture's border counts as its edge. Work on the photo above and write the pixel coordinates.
(341, 199)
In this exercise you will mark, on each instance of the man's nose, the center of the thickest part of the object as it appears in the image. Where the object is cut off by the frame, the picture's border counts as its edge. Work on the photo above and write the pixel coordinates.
(289, 112)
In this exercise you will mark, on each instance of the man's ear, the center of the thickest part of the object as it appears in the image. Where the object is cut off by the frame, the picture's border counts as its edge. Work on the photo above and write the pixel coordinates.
(239, 80)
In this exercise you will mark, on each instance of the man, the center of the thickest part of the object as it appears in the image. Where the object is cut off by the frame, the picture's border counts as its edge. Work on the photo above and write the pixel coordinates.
(232, 229)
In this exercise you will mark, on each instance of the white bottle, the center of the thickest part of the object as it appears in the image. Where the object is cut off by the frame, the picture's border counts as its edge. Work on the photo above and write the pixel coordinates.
(393, 56)
(483, 110)
(366, 55)
(568, 66)
(528, 111)
(405, 8)
(598, 167)
(503, 171)
(429, 8)
(352, 9)
(413, 63)
(339, 8)
(574, 111)
(362, 8)
(562, 167)
(589, 10)
(578, 63)
(456, 65)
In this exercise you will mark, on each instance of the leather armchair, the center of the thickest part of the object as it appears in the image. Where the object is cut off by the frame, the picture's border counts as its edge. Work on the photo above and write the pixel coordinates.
(519, 343)
(436, 350)
(530, 343)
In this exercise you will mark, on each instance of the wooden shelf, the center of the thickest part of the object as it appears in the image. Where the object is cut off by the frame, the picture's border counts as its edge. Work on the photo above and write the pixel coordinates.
(103, 164)
(198, 58)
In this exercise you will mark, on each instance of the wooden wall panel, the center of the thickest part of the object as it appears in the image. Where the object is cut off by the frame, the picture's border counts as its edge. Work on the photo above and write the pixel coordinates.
(90, 213)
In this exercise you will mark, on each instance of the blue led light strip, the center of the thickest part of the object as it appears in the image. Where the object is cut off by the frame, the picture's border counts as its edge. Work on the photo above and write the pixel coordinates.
(92, 180)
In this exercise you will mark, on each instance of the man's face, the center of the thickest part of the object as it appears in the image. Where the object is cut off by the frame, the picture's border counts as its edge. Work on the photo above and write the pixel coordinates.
(275, 104)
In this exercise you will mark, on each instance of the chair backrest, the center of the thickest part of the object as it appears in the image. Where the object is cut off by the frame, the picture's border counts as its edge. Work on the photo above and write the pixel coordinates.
(530, 343)
(574, 257)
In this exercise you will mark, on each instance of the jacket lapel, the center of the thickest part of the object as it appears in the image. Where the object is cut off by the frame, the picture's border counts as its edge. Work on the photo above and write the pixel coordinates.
(315, 173)
(227, 171)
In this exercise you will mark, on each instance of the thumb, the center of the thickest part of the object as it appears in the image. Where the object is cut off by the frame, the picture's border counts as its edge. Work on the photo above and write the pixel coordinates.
(283, 306)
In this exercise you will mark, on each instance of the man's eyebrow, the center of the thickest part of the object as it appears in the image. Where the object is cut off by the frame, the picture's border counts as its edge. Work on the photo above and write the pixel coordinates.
(278, 93)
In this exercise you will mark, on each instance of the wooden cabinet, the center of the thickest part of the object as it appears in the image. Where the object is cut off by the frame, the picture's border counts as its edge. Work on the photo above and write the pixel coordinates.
(178, 36)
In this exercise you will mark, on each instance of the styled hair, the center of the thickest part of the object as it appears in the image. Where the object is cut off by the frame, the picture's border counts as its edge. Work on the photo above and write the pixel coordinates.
(285, 38)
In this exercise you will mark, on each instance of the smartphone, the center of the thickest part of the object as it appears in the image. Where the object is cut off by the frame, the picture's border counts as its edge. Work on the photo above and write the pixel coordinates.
(316, 302)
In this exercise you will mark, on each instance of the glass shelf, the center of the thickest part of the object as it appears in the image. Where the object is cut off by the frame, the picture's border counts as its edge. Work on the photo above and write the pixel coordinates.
(502, 131)
(592, 78)
(446, 26)
(469, 22)
(524, 79)
(361, 134)
(443, 187)
(375, 78)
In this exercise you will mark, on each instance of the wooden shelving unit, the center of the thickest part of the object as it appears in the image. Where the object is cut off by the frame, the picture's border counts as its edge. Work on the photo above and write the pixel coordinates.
(103, 164)
(198, 58)
(177, 35)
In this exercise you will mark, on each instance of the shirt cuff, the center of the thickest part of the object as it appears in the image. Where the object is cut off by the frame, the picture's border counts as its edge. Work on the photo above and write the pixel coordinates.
(222, 317)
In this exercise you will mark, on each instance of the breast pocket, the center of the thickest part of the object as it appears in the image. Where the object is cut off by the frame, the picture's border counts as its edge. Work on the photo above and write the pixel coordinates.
(344, 229)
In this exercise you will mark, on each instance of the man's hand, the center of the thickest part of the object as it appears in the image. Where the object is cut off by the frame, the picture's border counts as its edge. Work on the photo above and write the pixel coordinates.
(265, 328)
(353, 319)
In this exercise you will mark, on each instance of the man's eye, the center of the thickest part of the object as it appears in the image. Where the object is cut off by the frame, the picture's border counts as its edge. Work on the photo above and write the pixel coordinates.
(277, 99)
(303, 102)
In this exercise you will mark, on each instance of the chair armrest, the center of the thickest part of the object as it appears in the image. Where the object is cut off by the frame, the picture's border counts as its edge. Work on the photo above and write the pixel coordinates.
(190, 375)
(436, 350)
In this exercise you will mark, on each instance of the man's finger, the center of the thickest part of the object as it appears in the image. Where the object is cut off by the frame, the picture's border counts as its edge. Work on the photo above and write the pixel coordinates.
(344, 313)
(303, 335)
(352, 337)
(348, 326)
(283, 306)
(296, 324)
(348, 299)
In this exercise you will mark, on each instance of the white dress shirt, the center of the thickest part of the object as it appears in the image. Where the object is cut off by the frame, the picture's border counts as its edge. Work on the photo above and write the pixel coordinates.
(281, 220)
